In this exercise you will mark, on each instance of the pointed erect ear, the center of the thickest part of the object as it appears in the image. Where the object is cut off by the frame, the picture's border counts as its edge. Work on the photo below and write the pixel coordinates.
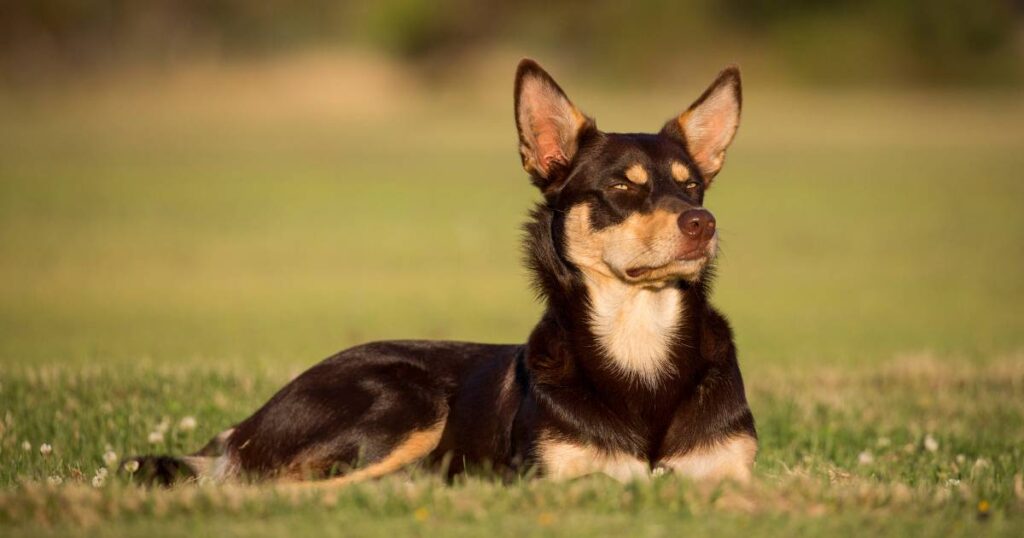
(549, 126)
(709, 125)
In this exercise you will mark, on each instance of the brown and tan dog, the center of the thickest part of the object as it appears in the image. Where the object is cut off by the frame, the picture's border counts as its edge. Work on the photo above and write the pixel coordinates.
(629, 370)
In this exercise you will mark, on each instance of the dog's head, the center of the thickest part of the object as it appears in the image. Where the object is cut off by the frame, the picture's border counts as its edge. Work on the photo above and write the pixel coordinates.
(629, 206)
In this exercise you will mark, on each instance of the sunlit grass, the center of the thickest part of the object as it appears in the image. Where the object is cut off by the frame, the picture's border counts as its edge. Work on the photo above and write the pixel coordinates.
(913, 439)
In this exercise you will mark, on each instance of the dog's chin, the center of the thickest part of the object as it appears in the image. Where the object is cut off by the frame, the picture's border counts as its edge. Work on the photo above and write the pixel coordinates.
(686, 268)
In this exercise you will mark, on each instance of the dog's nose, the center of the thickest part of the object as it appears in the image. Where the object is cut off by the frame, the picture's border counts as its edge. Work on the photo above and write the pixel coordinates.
(697, 223)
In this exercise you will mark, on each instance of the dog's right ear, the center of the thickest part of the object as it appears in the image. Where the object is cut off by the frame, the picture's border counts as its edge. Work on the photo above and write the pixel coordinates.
(549, 126)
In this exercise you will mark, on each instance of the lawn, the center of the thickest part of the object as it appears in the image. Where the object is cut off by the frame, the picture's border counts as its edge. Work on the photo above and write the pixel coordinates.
(180, 247)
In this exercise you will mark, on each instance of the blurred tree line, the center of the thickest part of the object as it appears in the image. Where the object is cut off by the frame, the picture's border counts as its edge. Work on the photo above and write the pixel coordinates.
(838, 41)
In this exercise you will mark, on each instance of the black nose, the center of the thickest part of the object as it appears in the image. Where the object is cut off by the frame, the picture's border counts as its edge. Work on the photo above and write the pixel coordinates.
(697, 223)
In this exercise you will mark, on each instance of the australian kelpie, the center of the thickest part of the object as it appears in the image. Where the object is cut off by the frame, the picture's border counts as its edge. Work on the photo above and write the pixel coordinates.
(629, 371)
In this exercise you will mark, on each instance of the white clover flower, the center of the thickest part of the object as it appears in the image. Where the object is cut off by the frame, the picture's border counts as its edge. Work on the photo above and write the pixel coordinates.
(187, 424)
(54, 480)
(164, 425)
(961, 459)
(98, 481)
(930, 444)
(953, 482)
(131, 466)
(26, 446)
(45, 449)
(102, 471)
(110, 458)
(156, 437)
(865, 458)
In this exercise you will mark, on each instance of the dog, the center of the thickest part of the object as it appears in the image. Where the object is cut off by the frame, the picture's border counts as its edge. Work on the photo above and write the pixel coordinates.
(630, 371)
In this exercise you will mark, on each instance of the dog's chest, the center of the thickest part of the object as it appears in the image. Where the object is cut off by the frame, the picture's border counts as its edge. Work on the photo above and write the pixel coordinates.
(636, 327)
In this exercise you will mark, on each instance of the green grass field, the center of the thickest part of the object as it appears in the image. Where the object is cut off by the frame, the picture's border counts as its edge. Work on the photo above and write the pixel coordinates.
(174, 249)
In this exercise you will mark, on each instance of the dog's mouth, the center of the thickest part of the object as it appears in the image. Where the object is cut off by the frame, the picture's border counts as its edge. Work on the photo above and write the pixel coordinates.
(686, 265)
(638, 272)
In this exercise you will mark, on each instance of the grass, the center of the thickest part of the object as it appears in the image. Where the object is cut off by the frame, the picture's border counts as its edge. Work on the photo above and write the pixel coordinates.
(888, 446)
(181, 247)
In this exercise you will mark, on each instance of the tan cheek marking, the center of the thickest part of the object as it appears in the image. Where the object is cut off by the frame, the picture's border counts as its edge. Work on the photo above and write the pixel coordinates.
(731, 459)
(637, 174)
(626, 242)
(585, 246)
(647, 226)
(563, 461)
(680, 172)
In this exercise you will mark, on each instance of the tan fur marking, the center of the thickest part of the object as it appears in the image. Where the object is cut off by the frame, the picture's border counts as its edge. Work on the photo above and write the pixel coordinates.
(562, 461)
(637, 174)
(416, 446)
(680, 172)
(643, 239)
(731, 459)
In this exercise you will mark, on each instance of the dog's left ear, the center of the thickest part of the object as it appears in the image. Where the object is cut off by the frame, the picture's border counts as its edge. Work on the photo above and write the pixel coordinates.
(549, 126)
(709, 125)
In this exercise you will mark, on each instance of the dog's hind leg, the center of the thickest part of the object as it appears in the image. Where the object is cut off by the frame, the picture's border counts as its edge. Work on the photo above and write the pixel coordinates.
(414, 447)
(359, 416)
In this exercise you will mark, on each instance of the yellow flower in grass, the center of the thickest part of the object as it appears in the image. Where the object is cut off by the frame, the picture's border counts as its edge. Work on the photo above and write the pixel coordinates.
(983, 508)
(421, 514)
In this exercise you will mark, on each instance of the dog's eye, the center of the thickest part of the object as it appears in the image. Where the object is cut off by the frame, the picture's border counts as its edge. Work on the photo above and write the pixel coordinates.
(620, 186)
(692, 185)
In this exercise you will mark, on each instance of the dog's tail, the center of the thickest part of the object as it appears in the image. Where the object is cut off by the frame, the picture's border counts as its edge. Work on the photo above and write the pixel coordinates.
(210, 462)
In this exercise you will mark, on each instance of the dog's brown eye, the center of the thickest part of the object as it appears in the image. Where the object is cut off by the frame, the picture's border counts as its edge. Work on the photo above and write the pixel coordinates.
(691, 185)
(620, 187)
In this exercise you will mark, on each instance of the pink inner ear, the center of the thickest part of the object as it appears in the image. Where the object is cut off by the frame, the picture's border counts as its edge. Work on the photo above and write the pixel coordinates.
(710, 135)
(549, 143)
(550, 123)
(709, 129)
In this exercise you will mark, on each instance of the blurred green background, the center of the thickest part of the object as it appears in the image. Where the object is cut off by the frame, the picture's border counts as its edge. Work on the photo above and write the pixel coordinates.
(267, 182)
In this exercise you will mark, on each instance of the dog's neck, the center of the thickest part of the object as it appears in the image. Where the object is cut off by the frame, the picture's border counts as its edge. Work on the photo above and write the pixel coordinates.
(637, 327)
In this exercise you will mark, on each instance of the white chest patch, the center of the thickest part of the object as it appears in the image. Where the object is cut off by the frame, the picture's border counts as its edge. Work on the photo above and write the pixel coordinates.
(636, 326)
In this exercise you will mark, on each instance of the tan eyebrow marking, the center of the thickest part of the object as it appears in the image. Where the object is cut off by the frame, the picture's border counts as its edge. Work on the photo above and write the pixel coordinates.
(679, 171)
(637, 174)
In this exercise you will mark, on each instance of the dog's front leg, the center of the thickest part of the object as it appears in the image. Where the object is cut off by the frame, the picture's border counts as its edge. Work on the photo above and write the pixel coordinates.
(712, 435)
(728, 459)
(562, 460)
